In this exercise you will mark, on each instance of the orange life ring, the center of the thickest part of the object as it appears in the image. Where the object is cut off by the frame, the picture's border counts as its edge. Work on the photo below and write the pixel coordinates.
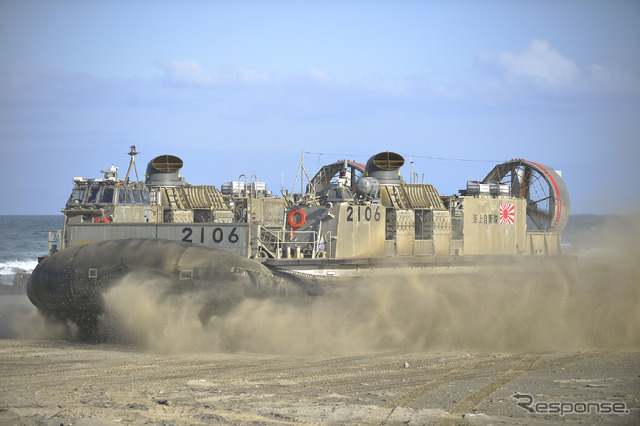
(292, 222)
(102, 220)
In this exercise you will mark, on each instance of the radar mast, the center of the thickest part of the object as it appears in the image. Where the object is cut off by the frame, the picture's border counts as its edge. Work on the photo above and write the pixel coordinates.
(133, 154)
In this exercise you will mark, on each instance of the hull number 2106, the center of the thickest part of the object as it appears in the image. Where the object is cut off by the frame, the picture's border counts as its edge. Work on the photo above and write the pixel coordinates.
(362, 214)
(217, 235)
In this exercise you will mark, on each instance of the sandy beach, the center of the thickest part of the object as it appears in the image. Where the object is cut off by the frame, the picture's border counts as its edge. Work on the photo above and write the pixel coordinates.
(66, 382)
(58, 382)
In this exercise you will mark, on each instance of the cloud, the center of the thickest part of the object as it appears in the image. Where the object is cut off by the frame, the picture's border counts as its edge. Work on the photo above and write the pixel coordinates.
(541, 63)
(540, 67)
(245, 75)
(537, 71)
(191, 73)
(319, 75)
(537, 63)
(186, 72)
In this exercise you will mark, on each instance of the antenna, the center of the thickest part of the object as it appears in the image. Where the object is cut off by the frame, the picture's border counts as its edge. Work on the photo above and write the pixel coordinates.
(411, 172)
(133, 154)
(301, 170)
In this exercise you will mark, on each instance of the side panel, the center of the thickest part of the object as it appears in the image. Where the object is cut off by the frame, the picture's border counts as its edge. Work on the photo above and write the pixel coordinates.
(130, 213)
(268, 212)
(231, 237)
(437, 227)
(494, 226)
(360, 231)
(441, 232)
(544, 243)
(405, 231)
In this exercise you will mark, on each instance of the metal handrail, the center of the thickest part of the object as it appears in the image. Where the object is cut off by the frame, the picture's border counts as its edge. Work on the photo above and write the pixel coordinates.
(282, 244)
(55, 236)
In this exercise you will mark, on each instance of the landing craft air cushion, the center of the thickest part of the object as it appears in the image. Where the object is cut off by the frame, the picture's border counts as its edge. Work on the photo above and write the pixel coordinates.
(241, 241)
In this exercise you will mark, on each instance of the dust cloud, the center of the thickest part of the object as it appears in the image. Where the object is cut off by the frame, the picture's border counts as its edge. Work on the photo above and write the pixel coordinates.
(488, 311)
(580, 304)
(20, 320)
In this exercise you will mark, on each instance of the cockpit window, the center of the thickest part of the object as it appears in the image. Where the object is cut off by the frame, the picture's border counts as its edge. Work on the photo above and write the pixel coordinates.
(103, 194)
(145, 196)
(136, 196)
(93, 194)
(141, 196)
(107, 196)
(77, 195)
(125, 196)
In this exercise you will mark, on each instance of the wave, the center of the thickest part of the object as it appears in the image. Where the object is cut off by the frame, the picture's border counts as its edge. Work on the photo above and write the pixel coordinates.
(11, 267)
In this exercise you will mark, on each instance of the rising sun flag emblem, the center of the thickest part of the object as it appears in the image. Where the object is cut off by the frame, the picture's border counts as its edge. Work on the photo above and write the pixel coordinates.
(507, 214)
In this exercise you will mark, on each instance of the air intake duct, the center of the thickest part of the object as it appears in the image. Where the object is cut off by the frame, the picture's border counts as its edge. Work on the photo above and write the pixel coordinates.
(163, 171)
(385, 167)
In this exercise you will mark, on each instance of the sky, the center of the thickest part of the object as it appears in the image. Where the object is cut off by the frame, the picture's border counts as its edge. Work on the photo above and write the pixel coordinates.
(245, 87)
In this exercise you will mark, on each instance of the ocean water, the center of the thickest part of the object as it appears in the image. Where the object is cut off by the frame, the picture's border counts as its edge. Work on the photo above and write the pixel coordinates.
(22, 241)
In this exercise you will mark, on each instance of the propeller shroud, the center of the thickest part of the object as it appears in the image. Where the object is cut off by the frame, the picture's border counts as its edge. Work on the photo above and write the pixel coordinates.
(547, 196)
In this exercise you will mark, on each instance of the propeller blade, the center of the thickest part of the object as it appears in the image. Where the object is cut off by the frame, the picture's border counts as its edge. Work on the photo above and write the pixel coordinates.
(524, 188)
(540, 218)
